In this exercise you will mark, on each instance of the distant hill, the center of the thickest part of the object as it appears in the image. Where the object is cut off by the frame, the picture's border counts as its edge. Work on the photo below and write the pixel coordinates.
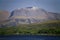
(30, 15)
(4, 16)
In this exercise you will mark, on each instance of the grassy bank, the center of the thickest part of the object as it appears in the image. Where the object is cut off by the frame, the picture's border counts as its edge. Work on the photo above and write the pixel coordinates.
(46, 28)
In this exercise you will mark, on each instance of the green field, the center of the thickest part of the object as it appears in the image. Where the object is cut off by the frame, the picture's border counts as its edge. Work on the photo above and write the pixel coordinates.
(48, 27)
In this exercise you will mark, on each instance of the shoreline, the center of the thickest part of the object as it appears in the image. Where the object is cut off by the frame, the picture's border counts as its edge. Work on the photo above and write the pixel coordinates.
(31, 35)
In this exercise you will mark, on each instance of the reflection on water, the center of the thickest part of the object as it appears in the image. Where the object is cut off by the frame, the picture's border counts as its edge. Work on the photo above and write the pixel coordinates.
(29, 37)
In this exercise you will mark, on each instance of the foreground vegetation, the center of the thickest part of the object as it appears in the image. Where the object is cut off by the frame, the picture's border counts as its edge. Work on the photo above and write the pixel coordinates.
(33, 29)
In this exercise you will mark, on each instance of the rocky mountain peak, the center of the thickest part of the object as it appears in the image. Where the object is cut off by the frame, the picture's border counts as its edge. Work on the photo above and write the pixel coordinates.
(30, 15)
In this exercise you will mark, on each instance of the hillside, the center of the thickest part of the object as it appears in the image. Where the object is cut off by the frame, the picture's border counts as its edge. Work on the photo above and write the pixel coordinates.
(4, 16)
(50, 28)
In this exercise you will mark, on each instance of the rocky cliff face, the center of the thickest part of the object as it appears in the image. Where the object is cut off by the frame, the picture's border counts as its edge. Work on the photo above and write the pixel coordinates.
(30, 15)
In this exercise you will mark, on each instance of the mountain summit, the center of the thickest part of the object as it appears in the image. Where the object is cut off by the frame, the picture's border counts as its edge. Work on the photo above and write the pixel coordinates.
(29, 15)
(32, 15)
(28, 11)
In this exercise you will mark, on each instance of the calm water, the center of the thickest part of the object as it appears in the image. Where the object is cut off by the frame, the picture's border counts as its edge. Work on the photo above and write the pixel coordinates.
(29, 37)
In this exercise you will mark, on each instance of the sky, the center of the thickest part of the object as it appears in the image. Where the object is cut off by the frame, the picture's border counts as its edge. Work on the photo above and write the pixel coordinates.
(48, 5)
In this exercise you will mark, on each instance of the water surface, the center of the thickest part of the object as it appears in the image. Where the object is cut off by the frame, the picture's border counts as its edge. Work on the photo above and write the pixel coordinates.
(29, 37)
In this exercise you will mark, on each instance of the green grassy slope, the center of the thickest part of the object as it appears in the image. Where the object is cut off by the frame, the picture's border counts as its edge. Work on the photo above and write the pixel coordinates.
(48, 27)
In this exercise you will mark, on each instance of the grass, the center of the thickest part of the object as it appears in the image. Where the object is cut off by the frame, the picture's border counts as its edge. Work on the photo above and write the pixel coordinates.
(49, 27)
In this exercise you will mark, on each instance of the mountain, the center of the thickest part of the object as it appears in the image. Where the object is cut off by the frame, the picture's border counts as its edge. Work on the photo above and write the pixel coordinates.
(4, 15)
(30, 15)
(55, 16)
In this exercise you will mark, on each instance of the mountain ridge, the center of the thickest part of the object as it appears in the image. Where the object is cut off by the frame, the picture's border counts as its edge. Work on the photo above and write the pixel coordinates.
(31, 15)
